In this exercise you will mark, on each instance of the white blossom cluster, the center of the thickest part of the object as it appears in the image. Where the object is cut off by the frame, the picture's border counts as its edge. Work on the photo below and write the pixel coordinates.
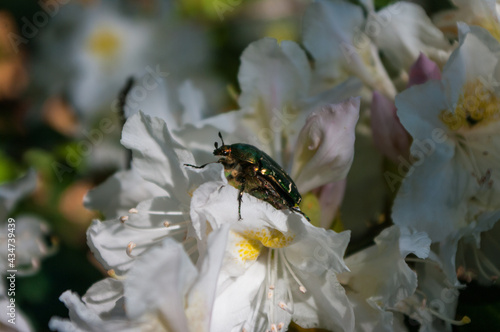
(180, 260)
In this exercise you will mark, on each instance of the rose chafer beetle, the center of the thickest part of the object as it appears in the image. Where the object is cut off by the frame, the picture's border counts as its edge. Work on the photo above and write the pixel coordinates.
(253, 171)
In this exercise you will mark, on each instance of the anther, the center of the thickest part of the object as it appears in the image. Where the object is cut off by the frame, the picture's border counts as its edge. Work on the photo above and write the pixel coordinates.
(130, 246)
(113, 275)
(133, 210)
(123, 219)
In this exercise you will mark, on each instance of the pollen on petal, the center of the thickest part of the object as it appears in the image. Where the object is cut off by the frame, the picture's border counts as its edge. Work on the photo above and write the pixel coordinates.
(271, 238)
(248, 249)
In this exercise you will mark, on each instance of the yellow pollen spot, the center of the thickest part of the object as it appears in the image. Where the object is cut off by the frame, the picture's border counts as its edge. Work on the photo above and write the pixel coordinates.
(104, 43)
(271, 238)
(248, 249)
(477, 105)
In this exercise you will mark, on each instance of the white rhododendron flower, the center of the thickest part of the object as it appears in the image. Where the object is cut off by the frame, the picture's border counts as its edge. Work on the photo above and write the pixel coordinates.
(29, 232)
(379, 277)
(434, 302)
(469, 254)
(105, 43)
(402, 31)
(483, 13)
(277, 267)
(345, 41)
(158, 160)
(22, 247)
(455, 141)
(333, 33)
(454, 130)
(163, 291)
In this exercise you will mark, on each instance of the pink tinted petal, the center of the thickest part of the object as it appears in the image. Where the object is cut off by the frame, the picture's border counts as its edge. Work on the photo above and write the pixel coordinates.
(330, 197)
(325, 146)
(423, 69)
(389, 135)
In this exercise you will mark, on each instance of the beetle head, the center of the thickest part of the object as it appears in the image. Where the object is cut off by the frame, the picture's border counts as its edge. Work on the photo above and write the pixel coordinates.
(224, 150)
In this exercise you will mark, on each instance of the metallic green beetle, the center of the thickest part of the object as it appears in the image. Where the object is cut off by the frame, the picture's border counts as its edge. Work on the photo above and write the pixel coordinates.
(255, 172)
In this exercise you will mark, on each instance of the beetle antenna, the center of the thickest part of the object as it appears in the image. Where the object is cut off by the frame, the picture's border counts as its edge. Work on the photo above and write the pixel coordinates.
(216, 145)
(220, 135)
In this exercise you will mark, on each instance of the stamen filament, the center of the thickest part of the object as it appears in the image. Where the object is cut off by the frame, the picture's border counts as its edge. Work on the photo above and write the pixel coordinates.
(289, 269)
(465, 320)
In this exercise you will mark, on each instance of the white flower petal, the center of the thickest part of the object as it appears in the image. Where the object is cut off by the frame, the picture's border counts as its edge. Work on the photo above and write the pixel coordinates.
(403, 30)
(193, 102)
(326, 146)
(273, 74)
(324, 305)
(157, 156)
(235, 307)
(158, 282)
(109, 240)
(380, 275)
(120, 192)
(334, 37)
(318, 250)
(84, 318)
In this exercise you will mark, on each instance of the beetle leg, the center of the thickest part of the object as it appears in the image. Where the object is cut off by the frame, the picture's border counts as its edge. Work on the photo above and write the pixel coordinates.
(240, 197)
(194, 166)
(294, 209)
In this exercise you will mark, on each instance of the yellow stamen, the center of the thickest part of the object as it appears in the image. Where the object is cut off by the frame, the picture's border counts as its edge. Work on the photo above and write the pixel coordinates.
(477, 105)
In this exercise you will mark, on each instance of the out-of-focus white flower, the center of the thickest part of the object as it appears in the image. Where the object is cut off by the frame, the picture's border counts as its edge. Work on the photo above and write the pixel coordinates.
(167, 186)
(22, 245)
(333, 33)
(402, 31)
(468, 254)
(163, 291)
(454, 138)
(455, 145)
(433, 304)
(28, 231)
(13, 191)
(379, 277)
(483, 13)
(90, 50)
(343, 42)
(277, 267)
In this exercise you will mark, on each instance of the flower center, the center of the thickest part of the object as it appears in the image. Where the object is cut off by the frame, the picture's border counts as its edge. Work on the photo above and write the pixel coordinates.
(248, 249)
(477, 105)
(104, 43)
(271, 238)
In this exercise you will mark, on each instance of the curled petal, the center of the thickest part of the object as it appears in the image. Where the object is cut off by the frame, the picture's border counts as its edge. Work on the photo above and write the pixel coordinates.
(325, 147)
